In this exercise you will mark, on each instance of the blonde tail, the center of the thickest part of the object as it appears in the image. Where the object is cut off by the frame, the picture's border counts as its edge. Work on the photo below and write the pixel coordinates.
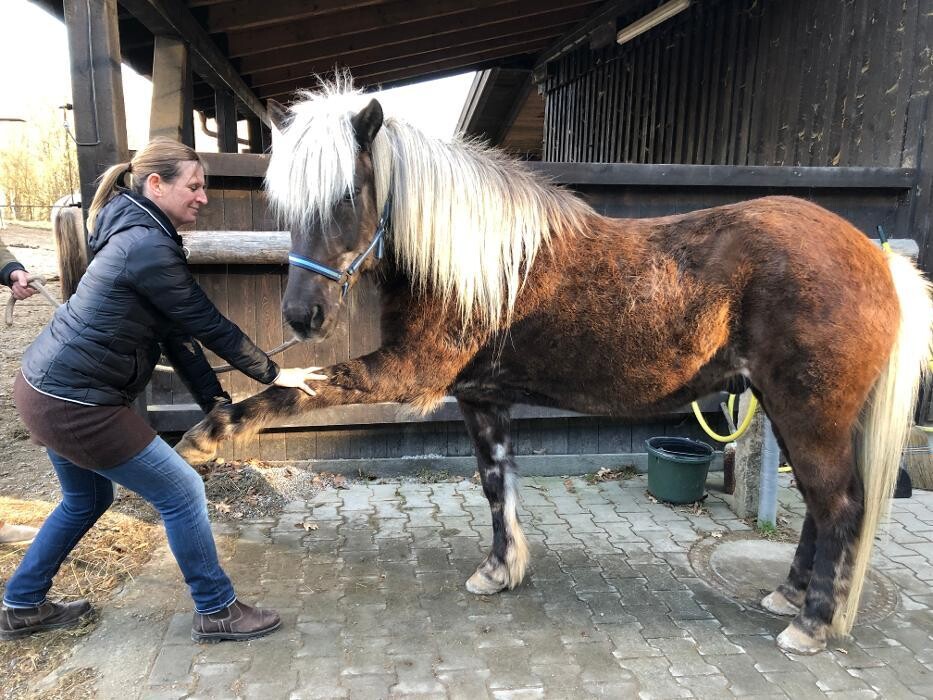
(886, 422)
(71, 247)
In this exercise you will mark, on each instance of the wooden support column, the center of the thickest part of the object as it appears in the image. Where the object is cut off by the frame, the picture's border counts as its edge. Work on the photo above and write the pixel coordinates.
(226, 121)
(96, 88)
(172, 96)
(255, 128)
(748, 463)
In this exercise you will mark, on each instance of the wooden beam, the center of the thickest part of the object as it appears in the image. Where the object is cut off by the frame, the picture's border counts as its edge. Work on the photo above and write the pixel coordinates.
(519, 98)
(254, 128)
(429, 63)
(580, 34)
(179, 417)
(476, 100)
(782, 177)
(225, 113)
(96, 88)
(396, 58)
(173, 17)
(444, 31)
(395, 15)
(237, 247)
(235, 164)
(251, 14)
(170, 115)
(654, 175)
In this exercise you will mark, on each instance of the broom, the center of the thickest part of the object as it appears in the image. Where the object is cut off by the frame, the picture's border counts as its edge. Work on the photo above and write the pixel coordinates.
(918, 455)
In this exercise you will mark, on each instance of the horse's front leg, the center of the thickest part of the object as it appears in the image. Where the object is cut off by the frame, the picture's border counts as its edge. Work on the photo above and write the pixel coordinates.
(504, 566)
(383, 375)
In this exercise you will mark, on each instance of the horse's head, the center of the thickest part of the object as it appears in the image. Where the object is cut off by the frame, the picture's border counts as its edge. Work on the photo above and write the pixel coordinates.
(327, 194)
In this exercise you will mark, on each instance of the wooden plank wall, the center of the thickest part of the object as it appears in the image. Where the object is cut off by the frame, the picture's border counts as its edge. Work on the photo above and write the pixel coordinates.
(746, 82)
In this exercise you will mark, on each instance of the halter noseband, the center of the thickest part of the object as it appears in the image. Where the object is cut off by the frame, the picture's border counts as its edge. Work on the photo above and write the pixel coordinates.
(377, 245)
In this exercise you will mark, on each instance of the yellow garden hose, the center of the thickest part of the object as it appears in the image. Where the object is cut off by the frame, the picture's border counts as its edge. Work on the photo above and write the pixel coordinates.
(752, 405)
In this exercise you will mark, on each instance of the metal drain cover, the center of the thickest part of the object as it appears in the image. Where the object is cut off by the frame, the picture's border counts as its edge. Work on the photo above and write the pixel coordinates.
(747, 568)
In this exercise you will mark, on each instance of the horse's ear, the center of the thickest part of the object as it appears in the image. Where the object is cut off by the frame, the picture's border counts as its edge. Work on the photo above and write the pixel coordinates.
(278, 114)
(367, 123)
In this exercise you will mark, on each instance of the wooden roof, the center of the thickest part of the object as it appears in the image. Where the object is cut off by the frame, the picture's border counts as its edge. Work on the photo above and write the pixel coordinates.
(271, 48)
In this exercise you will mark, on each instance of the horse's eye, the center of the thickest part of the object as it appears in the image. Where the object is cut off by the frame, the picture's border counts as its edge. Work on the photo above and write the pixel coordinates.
(351, 194)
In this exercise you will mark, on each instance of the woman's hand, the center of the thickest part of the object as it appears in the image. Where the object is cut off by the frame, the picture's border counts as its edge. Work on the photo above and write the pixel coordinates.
(295, 378)
(19, 283)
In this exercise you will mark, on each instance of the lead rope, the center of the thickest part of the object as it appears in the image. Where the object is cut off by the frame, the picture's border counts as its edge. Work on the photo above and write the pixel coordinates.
(38, 283)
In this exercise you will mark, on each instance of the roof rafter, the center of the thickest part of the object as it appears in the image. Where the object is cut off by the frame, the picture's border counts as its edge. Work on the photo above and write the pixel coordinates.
(172, 17)
(444, 29)
(255, 13)
(488, 37)
(392, 15)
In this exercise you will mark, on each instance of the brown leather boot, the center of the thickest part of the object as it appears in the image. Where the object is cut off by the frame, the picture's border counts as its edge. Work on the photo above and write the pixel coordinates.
(236, 622)
(21, 622)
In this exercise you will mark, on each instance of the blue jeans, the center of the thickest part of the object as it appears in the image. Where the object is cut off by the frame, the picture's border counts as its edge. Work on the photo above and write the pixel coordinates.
(164, 479)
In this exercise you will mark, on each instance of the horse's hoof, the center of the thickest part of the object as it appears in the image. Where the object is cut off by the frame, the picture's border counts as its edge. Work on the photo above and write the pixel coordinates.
(482, 583)
(194, 454)
(795, 641)
(779, 605)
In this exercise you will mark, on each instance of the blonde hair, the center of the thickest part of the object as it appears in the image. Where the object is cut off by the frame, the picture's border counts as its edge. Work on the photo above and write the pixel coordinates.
(162, 156)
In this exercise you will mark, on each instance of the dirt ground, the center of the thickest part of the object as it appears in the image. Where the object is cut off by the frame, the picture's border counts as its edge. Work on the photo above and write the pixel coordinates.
(25, 471)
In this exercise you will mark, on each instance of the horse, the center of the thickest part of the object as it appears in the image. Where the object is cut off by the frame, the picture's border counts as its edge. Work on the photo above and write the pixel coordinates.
(501, 288)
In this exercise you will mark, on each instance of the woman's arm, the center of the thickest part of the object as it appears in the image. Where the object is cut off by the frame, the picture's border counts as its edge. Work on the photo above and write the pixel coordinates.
(159, 273)
(186, 356)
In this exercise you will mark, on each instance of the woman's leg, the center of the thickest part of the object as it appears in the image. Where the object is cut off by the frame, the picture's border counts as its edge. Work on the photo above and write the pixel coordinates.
(176, 490)
(85, 497)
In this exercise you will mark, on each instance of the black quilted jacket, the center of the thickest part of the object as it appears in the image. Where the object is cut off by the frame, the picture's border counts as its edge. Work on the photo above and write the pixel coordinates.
(136, 300)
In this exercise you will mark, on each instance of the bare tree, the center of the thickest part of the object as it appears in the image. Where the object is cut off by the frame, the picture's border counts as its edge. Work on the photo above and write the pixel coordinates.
(37, 168)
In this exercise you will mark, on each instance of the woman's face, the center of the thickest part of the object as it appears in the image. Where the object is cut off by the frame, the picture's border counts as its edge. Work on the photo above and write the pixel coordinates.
(183, 197)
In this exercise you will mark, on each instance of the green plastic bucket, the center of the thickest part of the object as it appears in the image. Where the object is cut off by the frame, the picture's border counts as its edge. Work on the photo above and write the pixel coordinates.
(677, 468)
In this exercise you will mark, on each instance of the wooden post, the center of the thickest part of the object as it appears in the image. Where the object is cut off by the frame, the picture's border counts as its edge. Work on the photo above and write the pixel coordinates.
(96, 88)
(255, 134)
(172, 96)
(226, 121)
(97, 95)
(748, 463)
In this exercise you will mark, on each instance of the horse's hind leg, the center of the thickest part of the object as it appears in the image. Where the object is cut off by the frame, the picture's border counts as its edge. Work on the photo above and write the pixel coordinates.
(788, 598)
(504, 566)
(833, 494)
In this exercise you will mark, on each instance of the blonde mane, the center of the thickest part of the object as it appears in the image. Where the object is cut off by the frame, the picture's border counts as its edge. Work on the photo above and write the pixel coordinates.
(467, 221)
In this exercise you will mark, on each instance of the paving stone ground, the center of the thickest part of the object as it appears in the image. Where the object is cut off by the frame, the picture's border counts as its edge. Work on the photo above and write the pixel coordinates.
(374, 606)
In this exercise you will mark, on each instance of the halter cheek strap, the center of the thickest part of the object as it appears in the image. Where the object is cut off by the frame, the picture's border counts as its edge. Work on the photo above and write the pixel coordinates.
(377, 246)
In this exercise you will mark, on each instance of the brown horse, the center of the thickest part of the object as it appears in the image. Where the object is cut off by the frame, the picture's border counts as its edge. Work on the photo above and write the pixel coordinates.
(500, 288)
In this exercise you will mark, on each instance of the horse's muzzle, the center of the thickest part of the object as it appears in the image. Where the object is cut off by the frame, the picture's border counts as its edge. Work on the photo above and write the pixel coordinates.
(305, 321)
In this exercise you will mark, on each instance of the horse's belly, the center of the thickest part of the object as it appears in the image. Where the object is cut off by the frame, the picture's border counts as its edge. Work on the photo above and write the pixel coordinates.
(577, 374)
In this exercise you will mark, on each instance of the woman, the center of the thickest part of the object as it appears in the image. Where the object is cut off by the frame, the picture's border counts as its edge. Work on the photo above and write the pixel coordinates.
(136, 300)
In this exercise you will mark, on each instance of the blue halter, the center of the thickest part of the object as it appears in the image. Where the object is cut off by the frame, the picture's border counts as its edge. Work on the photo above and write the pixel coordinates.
(377, 245)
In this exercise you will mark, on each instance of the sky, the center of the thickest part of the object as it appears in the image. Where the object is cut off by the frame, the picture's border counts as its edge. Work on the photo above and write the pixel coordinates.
(35, 81)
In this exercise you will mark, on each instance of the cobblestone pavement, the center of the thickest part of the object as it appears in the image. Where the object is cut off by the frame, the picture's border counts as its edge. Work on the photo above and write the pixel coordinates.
(374, 606)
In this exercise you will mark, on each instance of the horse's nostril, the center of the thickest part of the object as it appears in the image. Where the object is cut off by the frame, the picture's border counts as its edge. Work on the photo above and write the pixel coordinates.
(317, 317)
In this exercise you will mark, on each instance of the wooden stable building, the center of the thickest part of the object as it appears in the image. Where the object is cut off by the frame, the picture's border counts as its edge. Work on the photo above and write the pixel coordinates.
(722, 101)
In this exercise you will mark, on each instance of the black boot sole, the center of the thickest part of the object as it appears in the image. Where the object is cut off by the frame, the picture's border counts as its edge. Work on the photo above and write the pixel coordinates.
(214, 637)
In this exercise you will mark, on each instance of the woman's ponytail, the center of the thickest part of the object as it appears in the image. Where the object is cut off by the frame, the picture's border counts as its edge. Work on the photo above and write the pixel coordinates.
(111, 182)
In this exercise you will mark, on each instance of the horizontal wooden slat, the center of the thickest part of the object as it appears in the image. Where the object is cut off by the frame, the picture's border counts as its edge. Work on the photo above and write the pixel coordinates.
(235, 164)
(179, 417)
(726, 175)
(634, 174)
